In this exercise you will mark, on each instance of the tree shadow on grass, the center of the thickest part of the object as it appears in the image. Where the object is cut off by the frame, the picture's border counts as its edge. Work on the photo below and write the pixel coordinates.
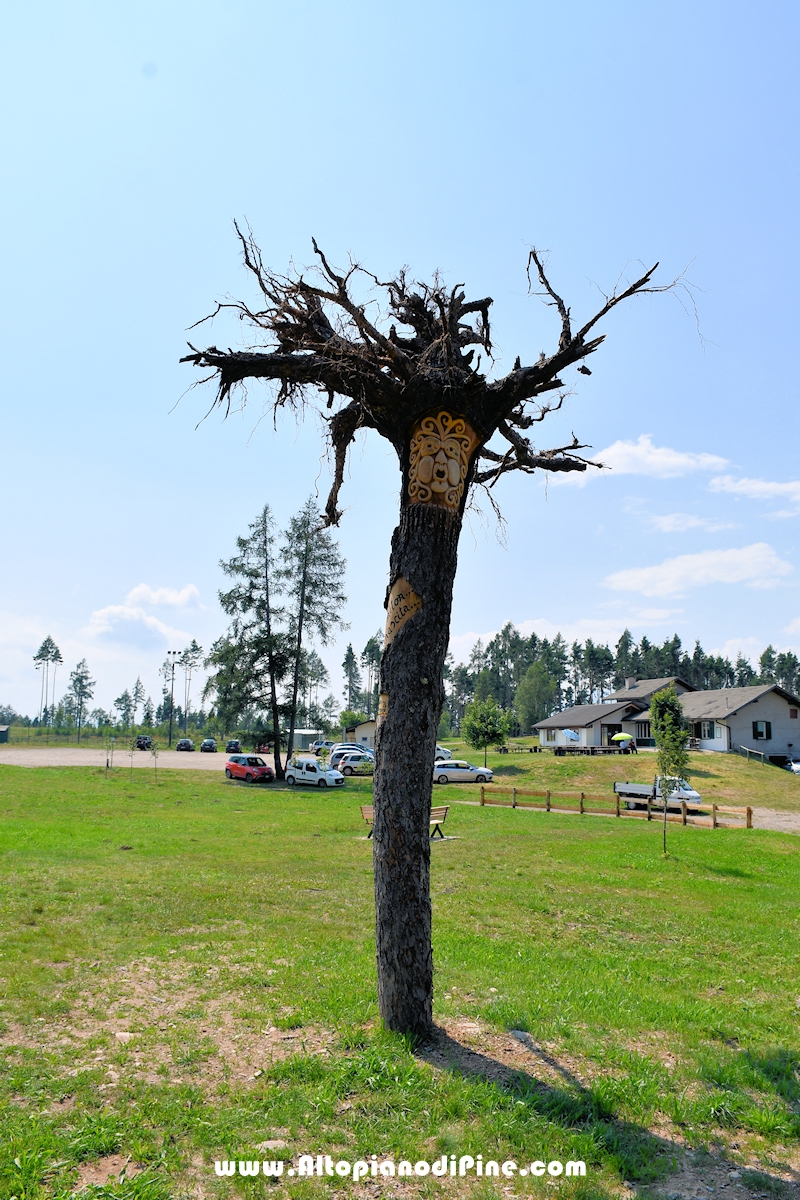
(638, 1154)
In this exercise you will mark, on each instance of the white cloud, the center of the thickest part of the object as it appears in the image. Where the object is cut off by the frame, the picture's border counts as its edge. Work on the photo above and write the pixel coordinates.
(678, 522)
(126, 623)
(748, 647)
(757, 566)
(155, 597)
(793, 626)
(758, 489)
(643, 458)
(654, 616)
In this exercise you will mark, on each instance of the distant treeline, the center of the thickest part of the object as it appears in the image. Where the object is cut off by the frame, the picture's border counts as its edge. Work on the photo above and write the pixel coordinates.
(533, 677)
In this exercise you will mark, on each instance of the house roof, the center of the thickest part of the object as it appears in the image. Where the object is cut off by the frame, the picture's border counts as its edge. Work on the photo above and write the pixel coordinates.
(725, 702)
(645, 688)
(580, 716)
(361, 725)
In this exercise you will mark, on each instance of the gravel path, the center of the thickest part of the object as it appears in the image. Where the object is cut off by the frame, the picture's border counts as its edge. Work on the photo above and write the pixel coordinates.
(72, 756)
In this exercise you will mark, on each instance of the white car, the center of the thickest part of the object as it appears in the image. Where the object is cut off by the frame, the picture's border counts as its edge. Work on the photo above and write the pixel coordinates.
(793, 765)
(455, 770)
(441, 753)
(355, 762)
(308, 770)
(337, 746)
(338, 753)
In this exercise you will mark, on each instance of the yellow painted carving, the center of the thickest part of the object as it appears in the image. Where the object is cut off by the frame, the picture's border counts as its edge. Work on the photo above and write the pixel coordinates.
(383, 705)
(441, 447)
(403, 603)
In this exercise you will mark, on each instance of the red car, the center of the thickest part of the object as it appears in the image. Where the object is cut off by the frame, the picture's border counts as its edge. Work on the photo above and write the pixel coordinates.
(248, 767)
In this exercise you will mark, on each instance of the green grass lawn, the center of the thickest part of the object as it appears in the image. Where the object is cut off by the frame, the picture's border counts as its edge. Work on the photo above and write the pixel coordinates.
(226, 933)
(724, 778)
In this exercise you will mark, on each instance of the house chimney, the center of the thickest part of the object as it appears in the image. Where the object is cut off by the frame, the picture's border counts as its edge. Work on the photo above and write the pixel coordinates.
(630, 682)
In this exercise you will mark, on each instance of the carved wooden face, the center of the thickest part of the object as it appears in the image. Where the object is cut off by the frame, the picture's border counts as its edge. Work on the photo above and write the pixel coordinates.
(441, 447)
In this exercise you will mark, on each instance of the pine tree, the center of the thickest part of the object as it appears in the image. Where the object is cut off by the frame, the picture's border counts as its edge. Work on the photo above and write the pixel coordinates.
(251, 661)
(313, 573)
(124, 706)
(81, 689)
(352, 678)
(190, 660)
(371, 662)
(137, 698)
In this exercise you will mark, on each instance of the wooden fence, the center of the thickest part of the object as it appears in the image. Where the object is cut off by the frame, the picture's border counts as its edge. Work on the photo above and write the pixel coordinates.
(747, 753)
(554, 802)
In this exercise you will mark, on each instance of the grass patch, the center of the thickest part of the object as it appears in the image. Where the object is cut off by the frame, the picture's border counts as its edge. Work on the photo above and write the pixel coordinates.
(724, 778)
(212, 989)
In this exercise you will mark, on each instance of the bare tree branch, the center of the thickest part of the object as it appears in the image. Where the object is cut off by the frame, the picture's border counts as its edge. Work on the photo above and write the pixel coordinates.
(319, 337)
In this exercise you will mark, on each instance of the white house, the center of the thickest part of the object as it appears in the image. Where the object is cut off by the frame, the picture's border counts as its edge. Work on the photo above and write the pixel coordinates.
(763, 717)
(362, 735)
(595, 724)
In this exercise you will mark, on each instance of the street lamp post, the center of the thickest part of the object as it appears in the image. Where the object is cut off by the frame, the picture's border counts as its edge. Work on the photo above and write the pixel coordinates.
(171, 657)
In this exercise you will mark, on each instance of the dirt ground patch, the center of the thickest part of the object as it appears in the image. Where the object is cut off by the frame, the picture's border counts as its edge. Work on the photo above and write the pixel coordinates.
(102, 1170)
(469, 1046)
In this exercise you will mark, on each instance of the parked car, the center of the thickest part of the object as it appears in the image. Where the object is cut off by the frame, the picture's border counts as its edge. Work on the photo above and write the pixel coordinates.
(308, 770)
(248, 767)
(233, 746)
(351, 746)
(339, 753)
(322, 746)
(793, 765)
(185, 744)
(441, 753)
(455, 770)
(636, 795)
(144, 742)
(356, 763)
(208, 746)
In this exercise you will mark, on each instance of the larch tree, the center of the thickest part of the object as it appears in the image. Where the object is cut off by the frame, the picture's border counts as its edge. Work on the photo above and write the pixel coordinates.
(402, 361)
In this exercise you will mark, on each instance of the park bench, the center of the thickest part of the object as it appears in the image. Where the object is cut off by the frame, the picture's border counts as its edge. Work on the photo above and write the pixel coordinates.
(437, 818)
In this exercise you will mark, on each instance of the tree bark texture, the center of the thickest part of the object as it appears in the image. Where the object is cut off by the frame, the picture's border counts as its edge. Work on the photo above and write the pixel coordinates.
(424, 553)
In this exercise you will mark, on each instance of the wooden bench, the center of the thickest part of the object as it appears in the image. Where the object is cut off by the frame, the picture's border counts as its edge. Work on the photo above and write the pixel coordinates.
(437, 818)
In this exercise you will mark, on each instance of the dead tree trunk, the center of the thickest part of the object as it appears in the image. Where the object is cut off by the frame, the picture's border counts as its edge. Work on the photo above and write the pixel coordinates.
(421, 391)
(422, 570)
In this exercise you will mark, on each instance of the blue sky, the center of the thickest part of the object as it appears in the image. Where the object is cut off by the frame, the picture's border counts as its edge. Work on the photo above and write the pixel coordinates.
(438, 135)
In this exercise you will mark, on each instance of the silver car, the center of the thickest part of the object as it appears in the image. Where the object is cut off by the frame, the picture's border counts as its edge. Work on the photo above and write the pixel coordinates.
(455, 770)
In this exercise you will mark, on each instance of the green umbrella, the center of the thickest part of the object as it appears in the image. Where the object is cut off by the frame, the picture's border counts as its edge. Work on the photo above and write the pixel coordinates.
(622, 737)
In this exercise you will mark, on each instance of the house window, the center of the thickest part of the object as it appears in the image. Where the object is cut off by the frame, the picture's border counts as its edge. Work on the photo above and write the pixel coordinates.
(718, 731)
(706, 729)
(762, 731)
(551, 735)
(793, 713)
(642, 729)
